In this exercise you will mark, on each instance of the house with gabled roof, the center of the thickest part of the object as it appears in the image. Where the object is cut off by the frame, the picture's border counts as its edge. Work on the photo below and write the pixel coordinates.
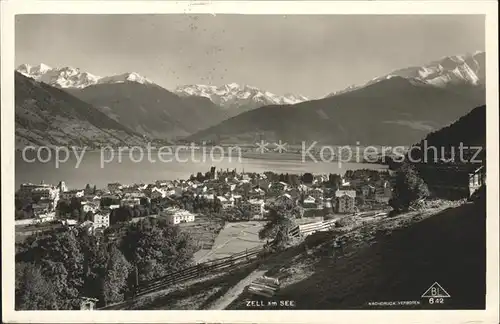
(345, 201)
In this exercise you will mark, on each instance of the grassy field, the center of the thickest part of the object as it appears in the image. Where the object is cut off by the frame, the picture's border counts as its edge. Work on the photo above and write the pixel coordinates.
(204, 230)
(233, 238)
(394, 259)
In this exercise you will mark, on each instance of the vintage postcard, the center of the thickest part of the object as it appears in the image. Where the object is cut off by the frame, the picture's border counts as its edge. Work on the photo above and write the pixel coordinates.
(250, 161)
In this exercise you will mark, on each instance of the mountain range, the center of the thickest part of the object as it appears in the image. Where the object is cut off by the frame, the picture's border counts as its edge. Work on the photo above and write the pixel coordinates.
(232, 98)
(46, 116)
(69, 77)
(468, 69)
(150, 109)
(132, 100)
(236, 98)
(399, 108)
(394, 109)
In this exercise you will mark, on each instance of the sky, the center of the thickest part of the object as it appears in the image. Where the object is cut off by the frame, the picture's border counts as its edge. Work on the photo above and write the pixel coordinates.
(308, 55)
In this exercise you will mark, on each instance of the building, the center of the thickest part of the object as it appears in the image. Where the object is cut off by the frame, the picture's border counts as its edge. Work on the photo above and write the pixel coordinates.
(26, 189)
(158, 194)
(70, 194)
(284, 199)
(452, 181)
(309, 202)
(237, 199)
(177, 215)
(62, 186)
(69, 222)
(115, 186)
(277, 188)
(345, 201)
(327, 207)
(42, 207)
(49, 193)
(46, 217)
(256, 193)
(255, 208)
(226, 202)
(130, 202)
(89, 207)
(384, 193)
(101, 220)
(40, 193)
(367, 190)
(294, 192)
(316, 193)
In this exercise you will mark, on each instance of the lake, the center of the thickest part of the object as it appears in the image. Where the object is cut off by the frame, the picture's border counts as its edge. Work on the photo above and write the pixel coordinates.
(98, 169)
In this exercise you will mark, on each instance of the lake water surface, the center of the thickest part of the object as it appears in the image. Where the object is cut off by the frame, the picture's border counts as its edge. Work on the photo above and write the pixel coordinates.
(125, 170)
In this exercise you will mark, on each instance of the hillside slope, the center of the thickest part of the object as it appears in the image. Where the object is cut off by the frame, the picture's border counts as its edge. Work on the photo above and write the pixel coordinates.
(49, 116)
(384, 264)
(469, 130)
(150, 109)
(395, 111)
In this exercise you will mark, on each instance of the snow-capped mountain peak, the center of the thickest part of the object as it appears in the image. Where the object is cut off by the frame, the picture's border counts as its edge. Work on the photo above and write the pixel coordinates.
(125, 77)
(70, 77)
(448, 70)
(36, 69)
(236, 96)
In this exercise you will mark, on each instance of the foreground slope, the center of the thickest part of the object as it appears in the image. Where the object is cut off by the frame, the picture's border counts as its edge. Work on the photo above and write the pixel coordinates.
(385, 263)
(49, 116)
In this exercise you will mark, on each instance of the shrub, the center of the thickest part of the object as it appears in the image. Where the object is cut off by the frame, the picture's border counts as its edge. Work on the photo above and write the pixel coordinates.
(346, 221)
(409, 190)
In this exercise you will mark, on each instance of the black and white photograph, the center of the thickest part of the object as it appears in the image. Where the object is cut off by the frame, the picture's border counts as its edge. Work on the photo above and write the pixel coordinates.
(258, 162)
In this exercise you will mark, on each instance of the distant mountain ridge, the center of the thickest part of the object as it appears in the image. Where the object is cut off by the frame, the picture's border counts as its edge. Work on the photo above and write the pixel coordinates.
(69, 77)
(150, 109)
(237, 98)
(392, 111)
(45, 116)
(132, 100)
(468, 69)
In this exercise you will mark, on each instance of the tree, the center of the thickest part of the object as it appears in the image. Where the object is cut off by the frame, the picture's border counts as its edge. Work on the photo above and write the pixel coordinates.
(307, 178)
(75, 214)
(334, 180)
(94, 265)
(156, 247)
(293, 180)
(277, 229)
(89, 216)
(61, 260)
(115, 278)
(33, 290)
(200, 177)
(409, 188)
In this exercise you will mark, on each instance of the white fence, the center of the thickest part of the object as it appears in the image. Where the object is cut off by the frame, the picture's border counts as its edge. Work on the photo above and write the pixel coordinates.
(307, 229)
(24, 222)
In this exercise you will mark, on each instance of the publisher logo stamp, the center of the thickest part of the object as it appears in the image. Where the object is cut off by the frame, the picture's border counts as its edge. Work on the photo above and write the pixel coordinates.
(436, 294)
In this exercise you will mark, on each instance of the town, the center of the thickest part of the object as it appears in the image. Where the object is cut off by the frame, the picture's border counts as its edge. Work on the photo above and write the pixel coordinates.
(225, 194)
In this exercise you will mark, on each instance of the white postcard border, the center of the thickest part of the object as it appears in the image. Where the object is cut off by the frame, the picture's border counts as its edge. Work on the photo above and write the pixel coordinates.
(10, 8)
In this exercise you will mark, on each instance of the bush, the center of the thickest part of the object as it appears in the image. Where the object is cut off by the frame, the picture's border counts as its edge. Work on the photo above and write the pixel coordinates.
(346, 221)
(409, 190)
